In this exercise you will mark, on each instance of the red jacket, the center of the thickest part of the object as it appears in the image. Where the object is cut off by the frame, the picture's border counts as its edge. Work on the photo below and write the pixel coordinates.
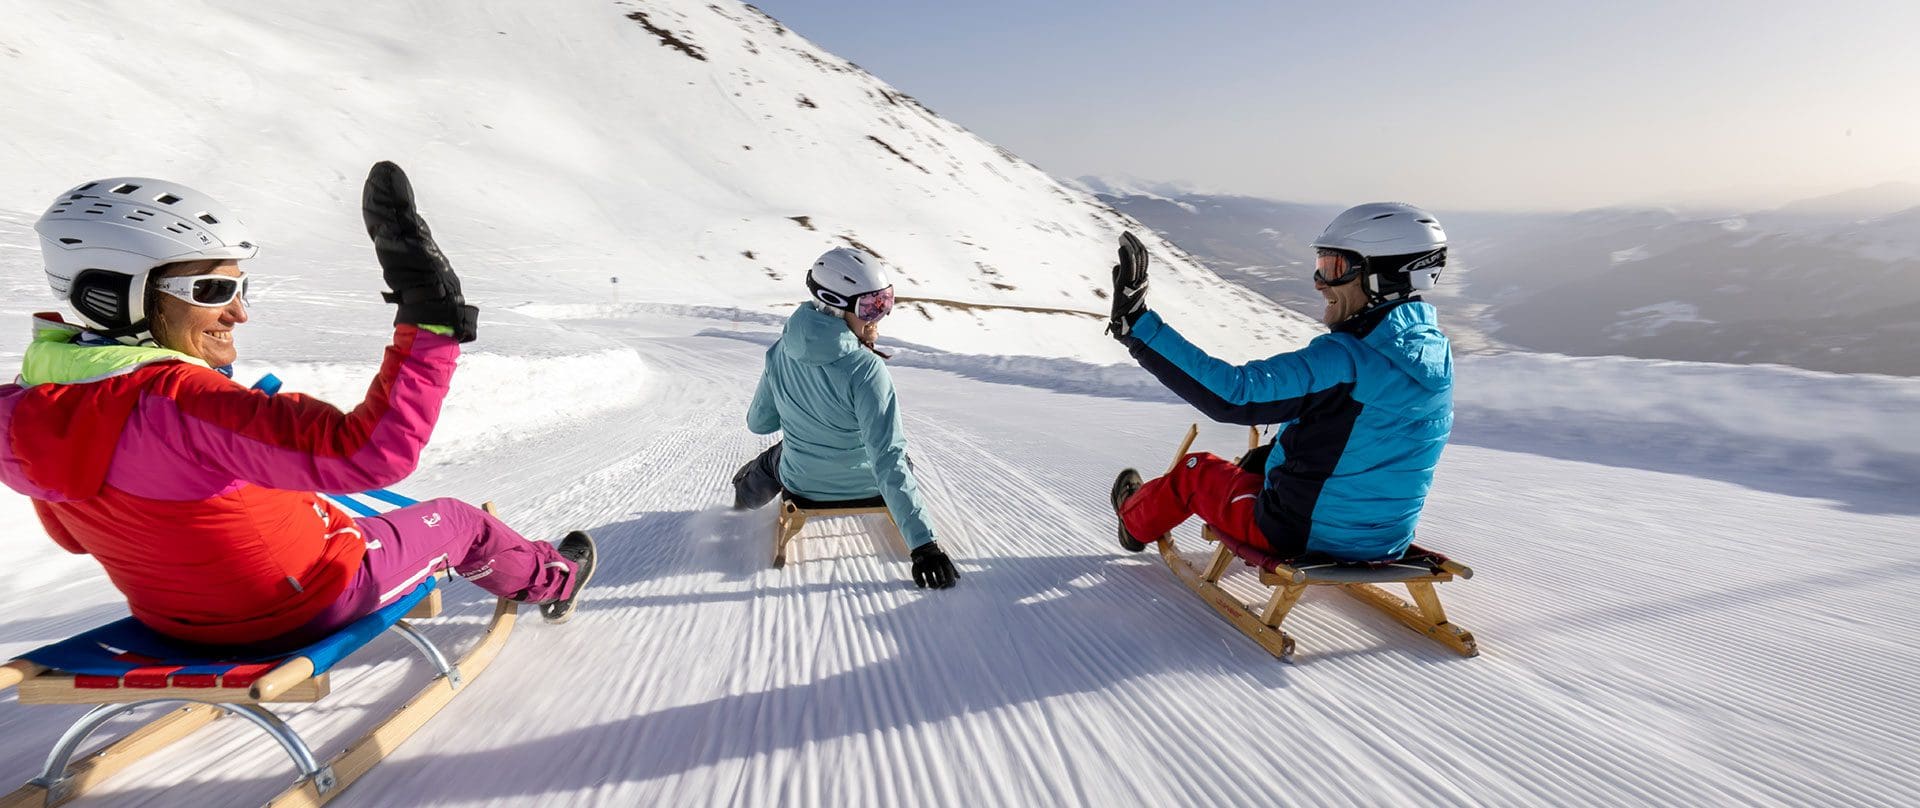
(195, 492)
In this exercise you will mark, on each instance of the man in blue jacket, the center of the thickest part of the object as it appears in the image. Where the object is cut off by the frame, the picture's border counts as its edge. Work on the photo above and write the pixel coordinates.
(1364, 410)
(826, 389)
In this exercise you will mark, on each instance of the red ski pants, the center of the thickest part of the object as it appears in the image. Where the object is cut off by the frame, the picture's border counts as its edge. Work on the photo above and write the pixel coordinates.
(1221, 493)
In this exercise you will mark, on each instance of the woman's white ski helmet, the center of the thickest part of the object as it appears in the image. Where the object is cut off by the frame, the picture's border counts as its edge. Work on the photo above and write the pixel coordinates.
(100, 240)
(1400, 248)
(843, 274)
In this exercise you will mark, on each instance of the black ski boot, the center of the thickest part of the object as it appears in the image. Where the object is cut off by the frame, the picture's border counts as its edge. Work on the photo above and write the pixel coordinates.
(578, 548)
(1124, 486)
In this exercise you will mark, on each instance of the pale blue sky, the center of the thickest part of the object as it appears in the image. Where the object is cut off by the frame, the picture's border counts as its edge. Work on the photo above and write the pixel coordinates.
(1463, 104)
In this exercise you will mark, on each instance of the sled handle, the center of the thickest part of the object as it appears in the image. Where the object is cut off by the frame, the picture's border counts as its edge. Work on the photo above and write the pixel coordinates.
(1193, 431)
(18, 671)
(277, 681)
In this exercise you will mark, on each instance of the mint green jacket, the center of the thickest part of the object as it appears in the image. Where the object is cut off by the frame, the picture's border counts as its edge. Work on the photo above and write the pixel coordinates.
(834, 402)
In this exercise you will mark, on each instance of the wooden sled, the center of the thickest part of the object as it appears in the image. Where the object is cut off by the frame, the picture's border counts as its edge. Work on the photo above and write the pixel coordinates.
(119, 681)
(795, 510)
(1419, 569)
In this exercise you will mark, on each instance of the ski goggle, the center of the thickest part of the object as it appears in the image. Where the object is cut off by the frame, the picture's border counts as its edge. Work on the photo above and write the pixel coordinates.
(1335, 268)
(872, 306)
(212, 291)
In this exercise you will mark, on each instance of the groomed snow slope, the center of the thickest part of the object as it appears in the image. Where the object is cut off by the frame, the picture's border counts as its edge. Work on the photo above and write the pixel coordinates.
(1660, 627)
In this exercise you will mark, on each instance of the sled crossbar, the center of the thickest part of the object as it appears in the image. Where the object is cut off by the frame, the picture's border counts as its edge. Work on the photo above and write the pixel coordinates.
(1418, 569)
(124, 666)
(795, 510)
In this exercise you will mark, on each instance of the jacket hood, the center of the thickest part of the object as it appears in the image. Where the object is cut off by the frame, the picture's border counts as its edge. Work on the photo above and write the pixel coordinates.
(1408, 335)
(814, 337)
(60, 424)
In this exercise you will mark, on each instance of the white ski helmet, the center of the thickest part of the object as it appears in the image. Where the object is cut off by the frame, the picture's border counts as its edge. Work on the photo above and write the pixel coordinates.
(1399, 248)
(102, 238)
(842, 275)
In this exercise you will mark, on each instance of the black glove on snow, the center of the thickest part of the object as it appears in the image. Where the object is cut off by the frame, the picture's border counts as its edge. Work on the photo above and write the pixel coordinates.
(932, 567)
(424, 286)
(1129, 286)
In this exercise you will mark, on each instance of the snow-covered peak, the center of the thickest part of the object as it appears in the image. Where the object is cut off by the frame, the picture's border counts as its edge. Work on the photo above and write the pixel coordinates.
(700, 152)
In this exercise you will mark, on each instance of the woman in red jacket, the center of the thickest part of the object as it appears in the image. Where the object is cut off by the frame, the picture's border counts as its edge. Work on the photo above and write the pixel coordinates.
(196, 493)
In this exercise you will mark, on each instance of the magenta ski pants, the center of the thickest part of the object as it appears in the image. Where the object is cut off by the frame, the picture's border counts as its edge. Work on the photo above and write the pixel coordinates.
(406, 545)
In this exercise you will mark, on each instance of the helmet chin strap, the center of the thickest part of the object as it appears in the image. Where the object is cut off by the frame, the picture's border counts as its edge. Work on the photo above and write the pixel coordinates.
(141, 330)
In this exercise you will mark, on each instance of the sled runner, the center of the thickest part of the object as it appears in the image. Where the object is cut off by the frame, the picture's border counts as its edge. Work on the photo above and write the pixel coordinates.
(1419, 569)
(124, 666)
(795, 510)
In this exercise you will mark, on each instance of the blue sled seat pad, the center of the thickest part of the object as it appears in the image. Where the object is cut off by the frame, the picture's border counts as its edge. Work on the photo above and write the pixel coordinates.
(120, 647)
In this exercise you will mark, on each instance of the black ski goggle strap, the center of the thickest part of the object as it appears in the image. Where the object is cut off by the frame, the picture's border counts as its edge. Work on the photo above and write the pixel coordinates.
(825, 295)
(833, 298)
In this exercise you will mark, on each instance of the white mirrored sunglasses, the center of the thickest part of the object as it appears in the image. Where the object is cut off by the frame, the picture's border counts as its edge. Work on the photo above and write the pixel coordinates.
(212, 291)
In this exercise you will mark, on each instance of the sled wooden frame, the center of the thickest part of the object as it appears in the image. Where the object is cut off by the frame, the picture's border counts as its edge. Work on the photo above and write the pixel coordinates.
(792, 518)
(291, 681)
(1424, 614)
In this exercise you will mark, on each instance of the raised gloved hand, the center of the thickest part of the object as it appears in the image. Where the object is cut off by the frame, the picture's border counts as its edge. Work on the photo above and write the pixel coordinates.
(1129, 286)
(424, 287)
(932, 567)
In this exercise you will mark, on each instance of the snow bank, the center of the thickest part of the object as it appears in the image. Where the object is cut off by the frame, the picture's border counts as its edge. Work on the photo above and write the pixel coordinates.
(1748, 414)
(495, 398)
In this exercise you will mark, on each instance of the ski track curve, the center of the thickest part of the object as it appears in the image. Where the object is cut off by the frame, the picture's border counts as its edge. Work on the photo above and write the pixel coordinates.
(1698, 665)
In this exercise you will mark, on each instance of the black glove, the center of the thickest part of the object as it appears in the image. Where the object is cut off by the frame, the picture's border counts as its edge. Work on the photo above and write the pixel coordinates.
(932, 567)
(1129, 286)
(424, 286)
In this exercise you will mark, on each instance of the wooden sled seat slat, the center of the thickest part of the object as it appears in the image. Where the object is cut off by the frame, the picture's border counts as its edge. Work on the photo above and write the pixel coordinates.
(1416, 564)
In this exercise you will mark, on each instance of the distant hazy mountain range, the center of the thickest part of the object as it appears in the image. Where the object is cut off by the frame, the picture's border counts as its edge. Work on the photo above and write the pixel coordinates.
(1831, 283)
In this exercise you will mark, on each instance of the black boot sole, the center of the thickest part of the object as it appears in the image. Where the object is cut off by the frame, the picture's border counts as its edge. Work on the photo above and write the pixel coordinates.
(1125, 486)
(563, 610)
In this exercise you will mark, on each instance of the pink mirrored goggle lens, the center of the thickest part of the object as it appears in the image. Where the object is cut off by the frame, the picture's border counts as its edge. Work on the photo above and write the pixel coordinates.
(872, 306)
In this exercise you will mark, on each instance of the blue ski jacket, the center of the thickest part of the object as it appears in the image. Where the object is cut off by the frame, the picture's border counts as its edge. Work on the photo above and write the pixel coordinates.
(833, 400)
(1365, 411)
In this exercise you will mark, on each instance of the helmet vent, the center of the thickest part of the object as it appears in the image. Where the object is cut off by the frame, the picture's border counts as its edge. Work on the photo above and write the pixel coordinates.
(166, 199)
(84, 187)
(126, 188)
(1381, 216)
(69, 241)
(208, 218)
(100, 300)
(140, 214)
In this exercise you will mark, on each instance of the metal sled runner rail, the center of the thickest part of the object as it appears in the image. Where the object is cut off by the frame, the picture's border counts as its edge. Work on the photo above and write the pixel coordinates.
(93, 668)
(1419, 569)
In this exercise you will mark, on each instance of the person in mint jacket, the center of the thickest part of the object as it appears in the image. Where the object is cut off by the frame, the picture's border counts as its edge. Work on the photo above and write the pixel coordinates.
(827, 390)
(1364, 410)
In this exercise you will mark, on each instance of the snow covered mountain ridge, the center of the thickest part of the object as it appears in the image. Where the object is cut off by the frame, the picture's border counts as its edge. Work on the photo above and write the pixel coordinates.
(700, 153)
(1826, 284)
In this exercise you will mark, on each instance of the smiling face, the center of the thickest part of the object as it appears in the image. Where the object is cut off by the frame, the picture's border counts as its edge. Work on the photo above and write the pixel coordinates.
(1343, 301)
(203, 332)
